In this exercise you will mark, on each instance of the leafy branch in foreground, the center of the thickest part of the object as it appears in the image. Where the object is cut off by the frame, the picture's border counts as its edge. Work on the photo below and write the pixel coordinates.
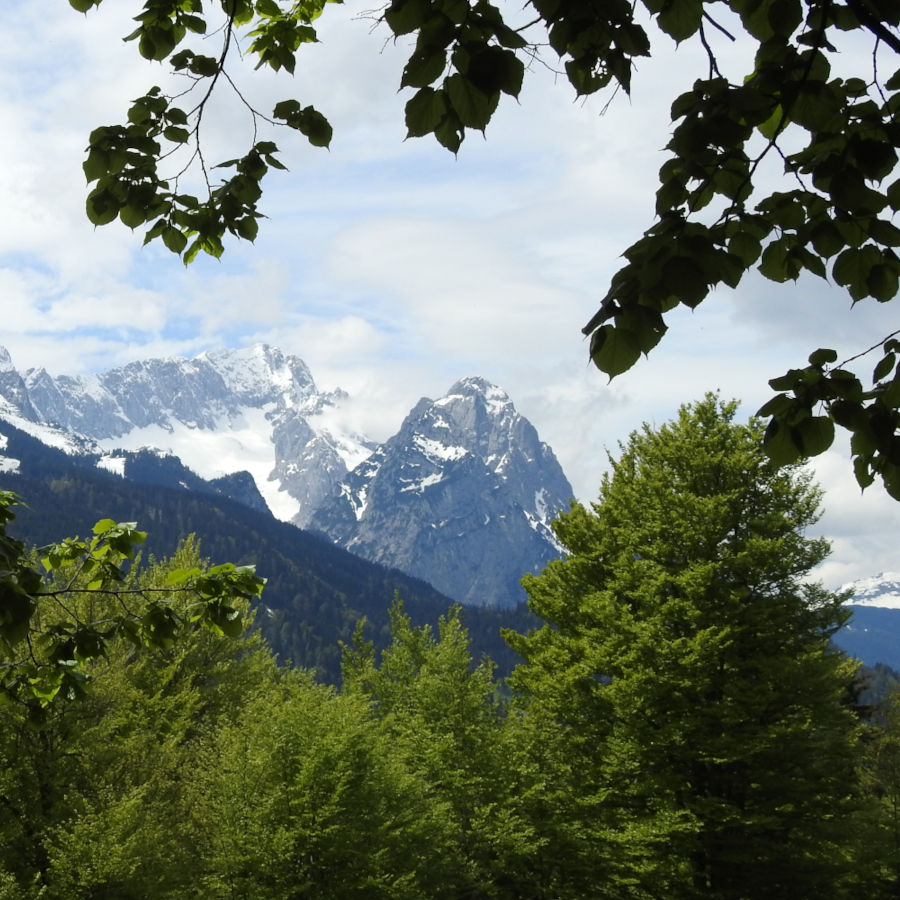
(123, 161)
(59, 614)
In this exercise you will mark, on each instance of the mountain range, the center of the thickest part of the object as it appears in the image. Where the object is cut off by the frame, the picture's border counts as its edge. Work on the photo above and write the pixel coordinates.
(462, 496)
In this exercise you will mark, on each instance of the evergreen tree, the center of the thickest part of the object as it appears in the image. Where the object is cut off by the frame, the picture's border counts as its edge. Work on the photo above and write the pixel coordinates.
(443, 719)
(692, 715)
(302, 796)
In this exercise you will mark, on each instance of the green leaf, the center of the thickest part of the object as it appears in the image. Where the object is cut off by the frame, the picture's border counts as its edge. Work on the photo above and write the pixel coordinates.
(816, 106)
(316, 127)
(822, 356)
(101, 206)
(680, 18)
(614, 350)
(132, 216)
(826, 239)
(155, 231)
(174, 239)
(816, 434)
(424, 111)
(746, 247)
(785, 382)
(851, 269)
(784, 16)
(449, 133)
(884, 367)
(96, 165)
(472, 106)
(684, 278)
(247, 228)
(778, 406)
(424, 67)
(781, 445)
(885, 233)
(778, 264)
(769, 128)
(882, 282)
(405, 16)
(308, 121)
(204, 66)
(268, 8)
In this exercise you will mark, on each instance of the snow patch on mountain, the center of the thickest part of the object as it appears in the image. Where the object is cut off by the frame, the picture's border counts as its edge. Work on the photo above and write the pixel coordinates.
(7, 463)
(73, 444)
(435, 451)
(238, 442)
(112, 463)
(879, 590)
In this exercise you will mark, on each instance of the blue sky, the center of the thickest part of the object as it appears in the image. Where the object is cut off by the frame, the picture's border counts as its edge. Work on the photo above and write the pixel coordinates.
(391, 267)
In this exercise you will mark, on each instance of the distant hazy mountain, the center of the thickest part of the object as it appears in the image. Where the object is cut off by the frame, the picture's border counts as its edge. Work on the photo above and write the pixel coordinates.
(462, 495)
(873, 634)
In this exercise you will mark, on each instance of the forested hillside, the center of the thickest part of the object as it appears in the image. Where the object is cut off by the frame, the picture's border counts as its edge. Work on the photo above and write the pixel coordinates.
(315, 592)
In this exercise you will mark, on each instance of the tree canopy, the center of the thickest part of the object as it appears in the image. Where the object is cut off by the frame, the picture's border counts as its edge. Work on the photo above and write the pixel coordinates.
(721, 208)
(684, 674)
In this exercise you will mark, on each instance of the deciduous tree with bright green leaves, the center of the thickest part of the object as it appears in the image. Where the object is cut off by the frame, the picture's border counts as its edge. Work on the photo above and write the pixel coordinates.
(696, 718)
(719, 211)
(96, 797)
(61, 611)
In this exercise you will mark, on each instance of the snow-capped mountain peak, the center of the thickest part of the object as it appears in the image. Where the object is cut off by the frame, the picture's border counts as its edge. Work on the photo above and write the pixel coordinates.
(223, 411)
(6, 363)
(462, 496)
(262, 374)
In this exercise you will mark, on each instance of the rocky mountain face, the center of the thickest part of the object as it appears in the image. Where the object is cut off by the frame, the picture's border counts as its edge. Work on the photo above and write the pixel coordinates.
(462, 496)
(219, 413)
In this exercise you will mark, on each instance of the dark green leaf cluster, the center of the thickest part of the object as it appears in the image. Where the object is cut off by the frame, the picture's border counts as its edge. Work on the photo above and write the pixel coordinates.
(836, 224)
(869, 414)
(124, 160)
(468, 50)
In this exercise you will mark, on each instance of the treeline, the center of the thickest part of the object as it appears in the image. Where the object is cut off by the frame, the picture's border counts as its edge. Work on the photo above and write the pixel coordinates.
(210, 771)
(316, 592)
(679, 726)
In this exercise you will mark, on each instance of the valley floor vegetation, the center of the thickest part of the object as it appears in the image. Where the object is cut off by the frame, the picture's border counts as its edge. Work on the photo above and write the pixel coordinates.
(680, 725)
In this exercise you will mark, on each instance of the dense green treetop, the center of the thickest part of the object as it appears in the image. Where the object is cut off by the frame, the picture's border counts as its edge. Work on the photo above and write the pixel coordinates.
(685, 673)
(721, 206)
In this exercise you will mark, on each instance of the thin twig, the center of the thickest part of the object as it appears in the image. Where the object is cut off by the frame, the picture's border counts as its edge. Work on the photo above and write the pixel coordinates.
(715, 24)
(874, 346)
(713, 62)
